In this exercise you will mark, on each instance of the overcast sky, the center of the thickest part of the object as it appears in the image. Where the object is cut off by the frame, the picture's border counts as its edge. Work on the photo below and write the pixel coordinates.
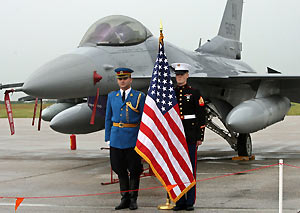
(34, 31)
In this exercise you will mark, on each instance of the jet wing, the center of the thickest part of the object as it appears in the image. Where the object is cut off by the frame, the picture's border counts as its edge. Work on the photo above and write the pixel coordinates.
(245, 78)
(288, 85)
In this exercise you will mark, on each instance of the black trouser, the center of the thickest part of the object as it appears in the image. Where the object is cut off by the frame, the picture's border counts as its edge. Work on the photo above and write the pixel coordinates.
(124, 161)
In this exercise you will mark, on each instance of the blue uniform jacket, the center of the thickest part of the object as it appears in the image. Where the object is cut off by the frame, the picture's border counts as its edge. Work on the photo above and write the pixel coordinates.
(117, 111)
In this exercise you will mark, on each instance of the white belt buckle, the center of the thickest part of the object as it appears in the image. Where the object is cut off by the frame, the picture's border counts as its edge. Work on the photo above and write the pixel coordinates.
(189, 116)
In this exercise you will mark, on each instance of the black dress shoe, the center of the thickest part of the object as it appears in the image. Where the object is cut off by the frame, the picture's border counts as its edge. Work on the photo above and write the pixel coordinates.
(178, 208)
(189, 208)
(123, 205)
(133, 204)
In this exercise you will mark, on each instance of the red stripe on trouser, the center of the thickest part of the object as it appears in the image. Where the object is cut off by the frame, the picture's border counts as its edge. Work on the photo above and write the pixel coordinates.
(195, 172)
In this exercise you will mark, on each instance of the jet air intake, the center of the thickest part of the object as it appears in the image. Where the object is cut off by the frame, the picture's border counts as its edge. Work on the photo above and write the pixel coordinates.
(256, 114)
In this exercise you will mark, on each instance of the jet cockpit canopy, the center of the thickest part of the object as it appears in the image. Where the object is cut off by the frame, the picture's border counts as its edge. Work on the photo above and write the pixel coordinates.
(115, 30)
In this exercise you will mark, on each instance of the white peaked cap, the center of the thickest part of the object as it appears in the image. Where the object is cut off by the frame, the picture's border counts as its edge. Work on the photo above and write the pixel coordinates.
(181, 66)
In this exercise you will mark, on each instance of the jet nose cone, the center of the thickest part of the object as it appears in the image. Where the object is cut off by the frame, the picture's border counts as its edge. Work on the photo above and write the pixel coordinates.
(68, 76)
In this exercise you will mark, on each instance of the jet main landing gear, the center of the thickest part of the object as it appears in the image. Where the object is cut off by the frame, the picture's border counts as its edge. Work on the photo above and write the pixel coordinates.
(244, 145)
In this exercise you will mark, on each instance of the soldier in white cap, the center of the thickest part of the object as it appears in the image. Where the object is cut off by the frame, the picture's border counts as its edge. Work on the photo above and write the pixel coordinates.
(192, 114)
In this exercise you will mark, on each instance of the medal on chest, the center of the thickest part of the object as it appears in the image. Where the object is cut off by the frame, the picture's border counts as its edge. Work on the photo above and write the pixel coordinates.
(188, 97)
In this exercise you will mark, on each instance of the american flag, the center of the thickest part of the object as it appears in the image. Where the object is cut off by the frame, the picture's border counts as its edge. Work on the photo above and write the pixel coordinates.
(161, 139)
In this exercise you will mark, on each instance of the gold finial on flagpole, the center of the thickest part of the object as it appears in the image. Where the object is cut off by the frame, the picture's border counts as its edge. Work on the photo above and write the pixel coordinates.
(161, 37)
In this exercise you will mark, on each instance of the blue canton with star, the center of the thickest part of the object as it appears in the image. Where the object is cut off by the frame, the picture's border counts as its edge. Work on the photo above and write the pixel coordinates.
(161, 88)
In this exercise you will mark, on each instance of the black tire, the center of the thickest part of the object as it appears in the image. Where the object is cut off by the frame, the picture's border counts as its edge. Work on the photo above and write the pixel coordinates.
(244, 145)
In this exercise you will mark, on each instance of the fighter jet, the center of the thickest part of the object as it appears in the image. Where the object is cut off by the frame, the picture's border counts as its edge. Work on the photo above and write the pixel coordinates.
(242, 100)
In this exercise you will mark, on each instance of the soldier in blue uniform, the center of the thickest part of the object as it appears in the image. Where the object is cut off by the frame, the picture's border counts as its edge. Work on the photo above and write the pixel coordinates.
(192, 114)
(123, 115)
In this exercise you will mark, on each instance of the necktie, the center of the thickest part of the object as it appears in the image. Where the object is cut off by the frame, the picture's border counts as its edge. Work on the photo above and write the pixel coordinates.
(123, 96)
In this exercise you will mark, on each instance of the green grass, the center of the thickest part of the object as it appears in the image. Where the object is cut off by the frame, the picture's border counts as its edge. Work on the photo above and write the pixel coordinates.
(295, 109)
(22, 110)
(25, 110)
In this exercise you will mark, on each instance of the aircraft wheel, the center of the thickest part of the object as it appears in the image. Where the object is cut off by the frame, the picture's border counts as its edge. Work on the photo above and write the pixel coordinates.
(244, 145)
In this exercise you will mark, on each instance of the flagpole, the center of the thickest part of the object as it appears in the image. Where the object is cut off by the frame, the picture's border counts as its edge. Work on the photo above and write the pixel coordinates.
(168, 205)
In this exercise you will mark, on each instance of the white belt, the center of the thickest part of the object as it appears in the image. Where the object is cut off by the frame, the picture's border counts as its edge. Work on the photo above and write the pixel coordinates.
(189, 116)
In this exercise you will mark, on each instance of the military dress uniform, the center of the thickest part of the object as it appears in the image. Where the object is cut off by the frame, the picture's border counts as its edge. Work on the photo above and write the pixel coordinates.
(121, 129)
(192, 114)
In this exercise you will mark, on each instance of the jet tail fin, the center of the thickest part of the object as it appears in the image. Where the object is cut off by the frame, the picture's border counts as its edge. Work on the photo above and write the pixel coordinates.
(227, 42)
(231, 23)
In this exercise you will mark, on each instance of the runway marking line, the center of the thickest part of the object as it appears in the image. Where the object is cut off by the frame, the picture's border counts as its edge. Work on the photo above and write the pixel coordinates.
(19, 200)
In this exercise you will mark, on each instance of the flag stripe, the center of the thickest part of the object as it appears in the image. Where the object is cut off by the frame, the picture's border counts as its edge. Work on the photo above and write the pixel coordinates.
(177, 131)
(174, 113)
(165, 142)
(176, 141)
(160, 161)
(156, 162)
(169, 161)
(147, 155)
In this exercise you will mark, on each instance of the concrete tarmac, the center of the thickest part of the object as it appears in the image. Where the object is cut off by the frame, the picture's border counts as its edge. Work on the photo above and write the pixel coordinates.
(41, 164)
